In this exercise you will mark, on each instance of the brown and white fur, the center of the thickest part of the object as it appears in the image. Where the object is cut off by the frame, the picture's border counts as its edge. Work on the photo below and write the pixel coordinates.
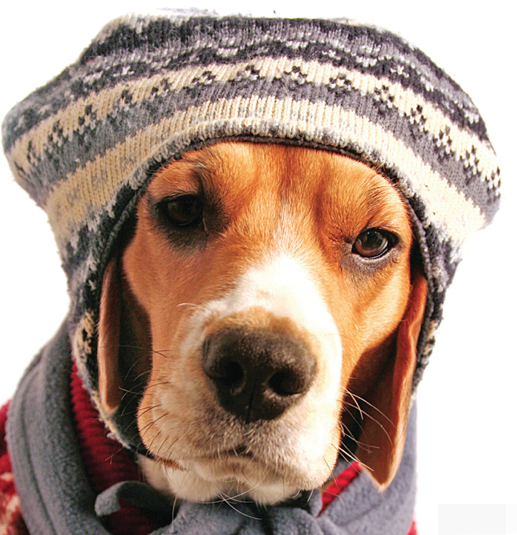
(269, 292)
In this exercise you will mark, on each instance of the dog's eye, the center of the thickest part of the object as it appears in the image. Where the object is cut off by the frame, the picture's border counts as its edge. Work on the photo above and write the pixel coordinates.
(373, 243)
(184, 211)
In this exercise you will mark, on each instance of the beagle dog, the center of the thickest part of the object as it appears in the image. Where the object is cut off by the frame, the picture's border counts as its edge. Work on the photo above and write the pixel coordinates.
(269, 303)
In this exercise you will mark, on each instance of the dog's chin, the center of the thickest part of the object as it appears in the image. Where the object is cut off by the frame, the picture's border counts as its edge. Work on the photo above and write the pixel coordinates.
(230, 477)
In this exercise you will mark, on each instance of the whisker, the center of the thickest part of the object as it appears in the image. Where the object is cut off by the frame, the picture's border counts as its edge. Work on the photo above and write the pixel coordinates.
(346, 432)
(191, 305)
(141, 410)
(365, 413)
(347, 454)
(142, 374)
(162, 352)
(356, 403)
(369, 404)
(158, 431)
(154, 384)
(228, 502)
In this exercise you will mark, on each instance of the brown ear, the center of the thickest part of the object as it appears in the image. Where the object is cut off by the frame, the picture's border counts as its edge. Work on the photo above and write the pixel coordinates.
(110, 388)
(382, 438)
(124, 348)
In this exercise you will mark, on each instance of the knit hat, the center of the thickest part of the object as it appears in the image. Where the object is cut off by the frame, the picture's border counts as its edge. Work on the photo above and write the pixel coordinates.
(149, 88)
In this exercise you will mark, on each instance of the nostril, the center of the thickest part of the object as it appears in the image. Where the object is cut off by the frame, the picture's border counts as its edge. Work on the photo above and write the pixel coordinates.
(231, 375)
(221, 367)
(285, 383)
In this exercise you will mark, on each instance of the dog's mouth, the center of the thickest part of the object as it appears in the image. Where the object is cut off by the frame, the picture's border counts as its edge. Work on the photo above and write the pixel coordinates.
(241, 452)
(237, 471)
(236, 454)
(229, 455)
(232, 473)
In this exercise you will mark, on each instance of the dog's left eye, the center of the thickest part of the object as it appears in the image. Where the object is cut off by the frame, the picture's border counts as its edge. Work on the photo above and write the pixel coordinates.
(374, 243)
(185, 211)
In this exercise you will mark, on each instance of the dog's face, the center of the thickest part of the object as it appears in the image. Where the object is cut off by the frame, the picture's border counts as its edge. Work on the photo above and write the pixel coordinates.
(267, 290)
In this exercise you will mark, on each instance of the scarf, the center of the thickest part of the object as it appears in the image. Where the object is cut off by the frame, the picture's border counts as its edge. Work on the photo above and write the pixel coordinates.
(62, 501)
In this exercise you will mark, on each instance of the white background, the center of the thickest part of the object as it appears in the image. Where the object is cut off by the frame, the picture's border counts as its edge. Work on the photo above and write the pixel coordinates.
(467, 400)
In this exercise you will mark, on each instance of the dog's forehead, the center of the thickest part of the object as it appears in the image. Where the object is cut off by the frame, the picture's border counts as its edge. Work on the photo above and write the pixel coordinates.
(341, 187)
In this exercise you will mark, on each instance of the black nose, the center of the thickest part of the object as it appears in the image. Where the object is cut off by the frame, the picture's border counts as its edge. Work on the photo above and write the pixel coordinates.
(257, 374)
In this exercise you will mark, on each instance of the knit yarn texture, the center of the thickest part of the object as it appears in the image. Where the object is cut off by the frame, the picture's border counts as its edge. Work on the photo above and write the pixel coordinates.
(151, 87)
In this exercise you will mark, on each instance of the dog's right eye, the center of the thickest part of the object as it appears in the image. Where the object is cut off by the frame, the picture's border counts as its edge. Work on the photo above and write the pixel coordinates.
(374, 243)
(185, 211)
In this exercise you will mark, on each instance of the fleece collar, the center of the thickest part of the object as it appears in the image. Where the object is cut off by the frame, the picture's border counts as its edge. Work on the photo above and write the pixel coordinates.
(41, 437)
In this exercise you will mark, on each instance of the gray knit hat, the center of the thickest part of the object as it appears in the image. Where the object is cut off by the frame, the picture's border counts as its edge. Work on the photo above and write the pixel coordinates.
(149, 88)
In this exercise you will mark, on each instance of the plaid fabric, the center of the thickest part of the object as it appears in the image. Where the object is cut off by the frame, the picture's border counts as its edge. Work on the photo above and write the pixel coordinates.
(151, 87)
(11, 521)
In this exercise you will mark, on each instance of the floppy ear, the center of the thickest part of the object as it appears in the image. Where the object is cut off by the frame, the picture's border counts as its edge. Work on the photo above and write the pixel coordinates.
(110, 387)
(382, 437)
(124, 349)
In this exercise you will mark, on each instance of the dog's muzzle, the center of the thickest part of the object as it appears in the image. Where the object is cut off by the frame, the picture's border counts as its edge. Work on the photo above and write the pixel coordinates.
(257, 375)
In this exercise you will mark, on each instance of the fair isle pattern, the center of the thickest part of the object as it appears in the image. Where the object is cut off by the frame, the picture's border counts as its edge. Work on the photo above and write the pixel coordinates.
(11, 521)
(151, 87)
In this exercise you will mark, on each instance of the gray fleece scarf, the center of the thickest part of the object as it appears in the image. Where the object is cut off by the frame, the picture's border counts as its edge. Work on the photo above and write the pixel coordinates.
(57, 498)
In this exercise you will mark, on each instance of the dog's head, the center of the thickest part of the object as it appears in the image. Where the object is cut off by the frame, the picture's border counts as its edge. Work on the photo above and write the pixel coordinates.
(268, 297)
